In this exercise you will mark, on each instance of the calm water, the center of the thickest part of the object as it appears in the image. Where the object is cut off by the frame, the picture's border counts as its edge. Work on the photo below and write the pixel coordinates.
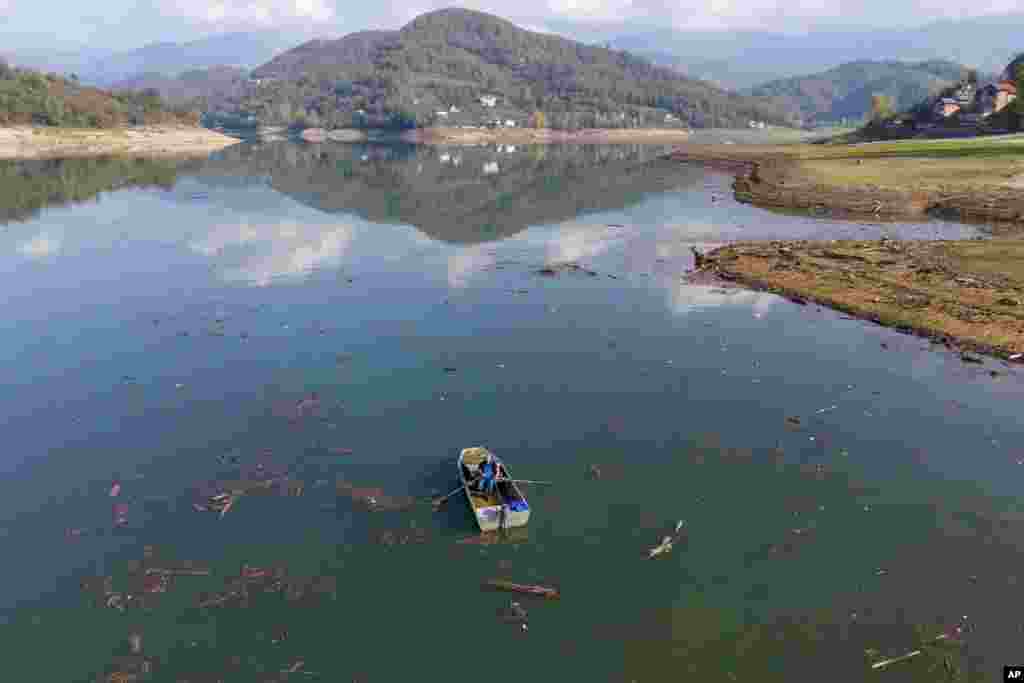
(166, 324)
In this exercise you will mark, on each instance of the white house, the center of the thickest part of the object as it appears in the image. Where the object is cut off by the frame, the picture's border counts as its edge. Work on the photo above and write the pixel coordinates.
(453, 109)
(488, 100)
(490, 168)
(510, 123)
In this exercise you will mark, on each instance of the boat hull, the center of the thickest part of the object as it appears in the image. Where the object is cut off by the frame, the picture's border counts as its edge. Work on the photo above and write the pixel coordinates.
(492, 512)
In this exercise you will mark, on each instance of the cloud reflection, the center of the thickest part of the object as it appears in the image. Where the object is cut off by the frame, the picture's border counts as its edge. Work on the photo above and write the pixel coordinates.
(259, 254)
(40, 246)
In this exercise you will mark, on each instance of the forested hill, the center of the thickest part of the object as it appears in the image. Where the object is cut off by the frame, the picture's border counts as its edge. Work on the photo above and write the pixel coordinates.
(31, 98)
(845, 91)
(452, 57)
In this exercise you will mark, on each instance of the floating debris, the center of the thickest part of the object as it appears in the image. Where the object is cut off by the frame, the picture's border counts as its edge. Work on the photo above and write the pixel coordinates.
(528, 589)
(666, 542)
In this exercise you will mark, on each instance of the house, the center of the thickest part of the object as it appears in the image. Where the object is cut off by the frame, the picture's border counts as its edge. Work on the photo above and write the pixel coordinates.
(1006, 93)
(453, 109)
(488, 100)
(510, 123)
(947, 106)
(490, 168)
(442, 114)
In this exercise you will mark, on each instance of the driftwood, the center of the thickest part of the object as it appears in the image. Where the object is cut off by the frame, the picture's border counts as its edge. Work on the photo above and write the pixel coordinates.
(528, 589)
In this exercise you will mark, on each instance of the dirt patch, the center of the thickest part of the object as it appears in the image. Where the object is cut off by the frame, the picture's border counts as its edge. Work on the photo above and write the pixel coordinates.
(153, 141)
(966, 294)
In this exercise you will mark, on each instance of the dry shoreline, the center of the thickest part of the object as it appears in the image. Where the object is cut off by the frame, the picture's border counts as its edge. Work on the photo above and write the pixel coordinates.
(150, 141)
(967, 295)
(869, 180)
(464, 136)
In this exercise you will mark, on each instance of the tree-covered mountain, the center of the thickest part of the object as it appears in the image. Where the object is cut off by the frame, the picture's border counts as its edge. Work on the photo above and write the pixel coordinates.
(453, 57)
(204, 88)
(31, 98)
(845, 92)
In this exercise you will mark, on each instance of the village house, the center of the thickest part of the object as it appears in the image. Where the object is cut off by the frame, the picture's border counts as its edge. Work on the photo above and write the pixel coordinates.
(509, 123)
(994, 97)
(1006, 93)
(453, 109)
(489, 100)
(946, 107)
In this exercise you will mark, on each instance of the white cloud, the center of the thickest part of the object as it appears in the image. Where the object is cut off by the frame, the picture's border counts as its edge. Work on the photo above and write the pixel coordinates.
(241, 13)
(40, 246)
(262, 253)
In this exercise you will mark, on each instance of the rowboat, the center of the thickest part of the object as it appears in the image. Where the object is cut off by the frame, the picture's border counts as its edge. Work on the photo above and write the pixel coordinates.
(506, 508)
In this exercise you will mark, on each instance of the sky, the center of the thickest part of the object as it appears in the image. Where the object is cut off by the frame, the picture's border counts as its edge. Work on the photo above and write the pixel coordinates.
(125, 24)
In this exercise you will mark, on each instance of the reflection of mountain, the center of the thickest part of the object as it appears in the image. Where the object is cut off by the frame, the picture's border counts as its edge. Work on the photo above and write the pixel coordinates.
(26, 187)
(461, 195)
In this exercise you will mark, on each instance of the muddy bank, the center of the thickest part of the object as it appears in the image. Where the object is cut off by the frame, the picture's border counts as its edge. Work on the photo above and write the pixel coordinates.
(524, 136)
(151, 141)
(769, 184)
(865, 181)
(968, 295)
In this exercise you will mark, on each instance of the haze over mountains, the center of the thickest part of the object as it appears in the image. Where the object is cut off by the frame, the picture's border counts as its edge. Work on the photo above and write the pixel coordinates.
(733, 59)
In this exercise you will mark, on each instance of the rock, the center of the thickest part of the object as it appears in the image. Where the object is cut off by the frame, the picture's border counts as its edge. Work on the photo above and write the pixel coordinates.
(314, 135)
(793, 420)
(968, 358)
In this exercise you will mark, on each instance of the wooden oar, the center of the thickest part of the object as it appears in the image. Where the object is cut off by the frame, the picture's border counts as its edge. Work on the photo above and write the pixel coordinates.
(527, 481)
(440, 501)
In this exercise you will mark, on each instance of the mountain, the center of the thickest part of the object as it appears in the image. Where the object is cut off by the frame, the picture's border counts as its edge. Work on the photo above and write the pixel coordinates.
(845, 91)
(212, 87)
(453, 57)
(743, 59)
(30, 97)
(105, 68)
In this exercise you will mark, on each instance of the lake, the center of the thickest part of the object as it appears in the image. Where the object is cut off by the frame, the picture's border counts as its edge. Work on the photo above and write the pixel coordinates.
(351, 316)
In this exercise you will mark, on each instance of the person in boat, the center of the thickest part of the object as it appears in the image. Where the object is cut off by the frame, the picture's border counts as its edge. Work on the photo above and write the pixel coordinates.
(488, 475)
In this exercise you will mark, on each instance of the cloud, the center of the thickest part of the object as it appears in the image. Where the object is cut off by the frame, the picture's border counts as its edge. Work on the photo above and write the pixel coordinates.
(468, 261)
(254, 13)
(40, 246)
(259, 254)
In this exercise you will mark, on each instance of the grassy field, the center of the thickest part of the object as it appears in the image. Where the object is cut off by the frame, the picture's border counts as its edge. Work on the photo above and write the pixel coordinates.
(969, 291)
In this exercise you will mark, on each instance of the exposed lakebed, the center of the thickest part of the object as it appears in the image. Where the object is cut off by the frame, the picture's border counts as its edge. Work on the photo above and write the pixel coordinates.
(350, 316)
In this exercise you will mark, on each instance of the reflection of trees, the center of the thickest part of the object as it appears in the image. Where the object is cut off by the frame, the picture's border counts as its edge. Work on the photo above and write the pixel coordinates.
(26, 187)
(444, 191)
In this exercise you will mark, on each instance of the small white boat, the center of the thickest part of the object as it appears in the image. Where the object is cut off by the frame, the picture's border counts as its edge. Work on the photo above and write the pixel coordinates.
(506, 507)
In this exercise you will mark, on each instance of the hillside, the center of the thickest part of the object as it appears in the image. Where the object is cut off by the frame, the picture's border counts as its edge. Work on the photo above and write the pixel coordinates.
(30, 98)
(452, 57)
(845, 91)
(206, 88)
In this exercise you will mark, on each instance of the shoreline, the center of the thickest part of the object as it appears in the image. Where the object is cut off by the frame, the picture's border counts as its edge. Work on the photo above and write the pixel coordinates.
(464, 136)
(966, 295)
(975, 182)
(149, 141)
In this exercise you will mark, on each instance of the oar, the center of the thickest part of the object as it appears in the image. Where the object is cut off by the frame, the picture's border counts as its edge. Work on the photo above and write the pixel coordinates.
(440, 501)
(527, 481)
